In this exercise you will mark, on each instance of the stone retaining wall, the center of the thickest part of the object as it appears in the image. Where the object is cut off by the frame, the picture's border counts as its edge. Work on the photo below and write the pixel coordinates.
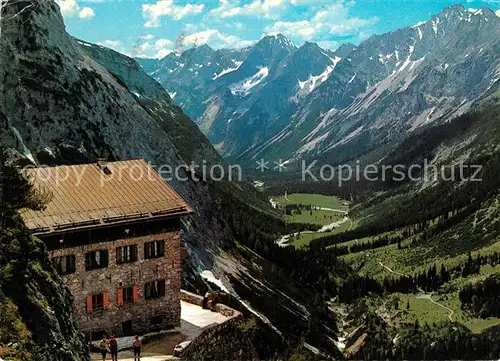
(195, 299)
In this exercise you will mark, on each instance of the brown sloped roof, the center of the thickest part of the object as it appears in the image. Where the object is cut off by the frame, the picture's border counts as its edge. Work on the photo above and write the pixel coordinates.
(86, 195)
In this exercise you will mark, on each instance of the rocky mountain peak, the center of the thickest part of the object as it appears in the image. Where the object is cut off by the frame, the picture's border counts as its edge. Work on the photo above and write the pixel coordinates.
(202, 50)
(278, 40)
(458, 11)
(277, 82)
(344, 50)
(309, 60)
(456, 17)
(309, 46)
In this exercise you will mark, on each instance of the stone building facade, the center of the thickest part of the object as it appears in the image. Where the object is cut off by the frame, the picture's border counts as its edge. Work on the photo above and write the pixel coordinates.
(123, 272)
(125, 308)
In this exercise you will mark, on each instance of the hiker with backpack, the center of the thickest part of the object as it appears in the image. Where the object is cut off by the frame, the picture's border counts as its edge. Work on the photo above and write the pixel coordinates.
(113, 348)
(137, 348)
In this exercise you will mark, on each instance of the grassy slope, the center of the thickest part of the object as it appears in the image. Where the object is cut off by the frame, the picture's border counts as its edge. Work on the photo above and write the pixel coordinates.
(479, 234)
(448, 248)
(316, 216)
(317, 200)
(304, 239)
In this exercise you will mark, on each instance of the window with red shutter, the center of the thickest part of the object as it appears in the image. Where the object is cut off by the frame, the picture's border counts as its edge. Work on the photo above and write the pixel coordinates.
(119, 297)
(89, 304)
(105, 303)
(136, 294)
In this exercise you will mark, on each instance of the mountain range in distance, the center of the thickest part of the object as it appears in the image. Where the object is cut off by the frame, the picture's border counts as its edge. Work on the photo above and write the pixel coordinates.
(275, 100)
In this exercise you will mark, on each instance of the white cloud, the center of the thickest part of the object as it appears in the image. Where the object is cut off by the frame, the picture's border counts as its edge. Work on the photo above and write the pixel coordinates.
(153, 12)
(162, 53)
(162, 43)
(142, 50)
(144, 47)
(215, 39)
(70, 8)
(163, 47)
(264, 8)
(236, 25)
(303, 29)
(191, 28)
(159, 49)
(497, 13)
(147, 37)
(329, 44)
(226, 9)
(116, 45)
(86, 13)
(303, 2)
(332, 20)
(267, 8)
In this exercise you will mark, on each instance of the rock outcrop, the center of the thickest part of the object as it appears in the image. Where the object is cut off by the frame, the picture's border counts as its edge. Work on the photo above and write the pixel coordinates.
(36, 322)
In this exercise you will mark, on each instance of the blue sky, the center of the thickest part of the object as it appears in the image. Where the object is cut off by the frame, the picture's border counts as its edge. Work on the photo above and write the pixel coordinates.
(153, 28)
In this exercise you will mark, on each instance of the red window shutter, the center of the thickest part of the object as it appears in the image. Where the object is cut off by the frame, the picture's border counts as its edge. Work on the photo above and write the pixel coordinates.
(119, 297)
(105, 301)
(89, 304)
(136, 294)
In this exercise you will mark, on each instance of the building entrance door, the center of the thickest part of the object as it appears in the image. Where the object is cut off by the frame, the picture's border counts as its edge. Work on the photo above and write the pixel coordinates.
(127, 328)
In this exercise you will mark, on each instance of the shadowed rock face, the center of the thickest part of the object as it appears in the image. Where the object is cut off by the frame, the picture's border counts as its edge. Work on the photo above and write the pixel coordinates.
(34, 297)
(222, 342)
(59, 105)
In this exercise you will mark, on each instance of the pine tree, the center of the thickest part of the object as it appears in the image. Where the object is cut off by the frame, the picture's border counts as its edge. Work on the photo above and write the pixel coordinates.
(15, 192)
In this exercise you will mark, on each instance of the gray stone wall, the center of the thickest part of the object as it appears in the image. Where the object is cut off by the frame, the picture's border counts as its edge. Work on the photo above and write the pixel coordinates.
(221, 308)
(84, 283)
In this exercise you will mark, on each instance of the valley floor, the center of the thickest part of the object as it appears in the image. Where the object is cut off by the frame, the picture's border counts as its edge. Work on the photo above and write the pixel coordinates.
(327, 212)
(397, 259)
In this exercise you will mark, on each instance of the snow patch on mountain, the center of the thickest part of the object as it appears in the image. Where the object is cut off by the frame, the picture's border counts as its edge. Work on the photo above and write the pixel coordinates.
(435, 25)
(84, 44)
(352, 79)
(243, 88)
(407, 61)
(209, 276)
(26, 152)
(420, 35)
(383, 58)
(322, 124)
(475, 11)
(228, 70)
(307, 86)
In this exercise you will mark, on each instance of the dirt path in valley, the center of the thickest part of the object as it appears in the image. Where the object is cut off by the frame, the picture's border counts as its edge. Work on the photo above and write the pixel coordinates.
(424, 295)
